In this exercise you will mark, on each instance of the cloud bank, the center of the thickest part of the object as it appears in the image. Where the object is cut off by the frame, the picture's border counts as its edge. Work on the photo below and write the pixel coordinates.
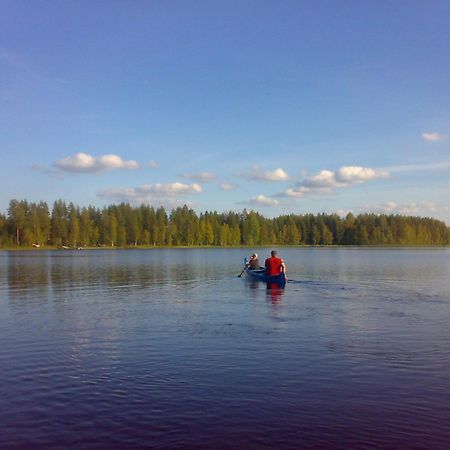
(167, 194)
(256, 173)
(262, 200)
(408, 209)
(85, 163)
(326, 181)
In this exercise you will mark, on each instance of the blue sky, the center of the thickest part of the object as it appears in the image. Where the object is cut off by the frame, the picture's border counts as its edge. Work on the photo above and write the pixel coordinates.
(280, 107)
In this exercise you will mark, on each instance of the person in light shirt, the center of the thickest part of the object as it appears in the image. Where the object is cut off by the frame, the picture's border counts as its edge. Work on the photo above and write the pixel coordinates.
(253, 263)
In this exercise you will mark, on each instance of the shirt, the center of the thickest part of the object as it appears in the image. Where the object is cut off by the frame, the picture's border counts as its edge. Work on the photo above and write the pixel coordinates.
(274, 265)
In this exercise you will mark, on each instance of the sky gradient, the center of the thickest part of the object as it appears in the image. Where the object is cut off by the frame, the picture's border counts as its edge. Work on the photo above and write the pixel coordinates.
(281, 107)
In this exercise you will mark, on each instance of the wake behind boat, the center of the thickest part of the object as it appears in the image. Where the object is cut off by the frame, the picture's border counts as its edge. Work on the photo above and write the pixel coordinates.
(260, 274)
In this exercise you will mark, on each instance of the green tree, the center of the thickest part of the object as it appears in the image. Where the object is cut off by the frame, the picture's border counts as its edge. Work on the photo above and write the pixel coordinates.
(161, 226)
(74, 225)
(224, 234)
(113, 229)
(86, 228)
(251, 229)
(3, 230)
(59, 223)
(43, 220)
(326, 236)
(349, 229)
(361, 236)
(17, 214)
(31, 223)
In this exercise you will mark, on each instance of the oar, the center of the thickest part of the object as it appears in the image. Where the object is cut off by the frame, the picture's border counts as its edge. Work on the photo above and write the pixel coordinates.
(243, 270)
(247, 264)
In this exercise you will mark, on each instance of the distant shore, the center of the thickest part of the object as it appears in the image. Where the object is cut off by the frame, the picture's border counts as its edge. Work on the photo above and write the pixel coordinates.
(204, 247)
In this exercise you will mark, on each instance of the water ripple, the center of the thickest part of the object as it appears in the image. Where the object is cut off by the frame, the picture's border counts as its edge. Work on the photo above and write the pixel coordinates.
(167, 349)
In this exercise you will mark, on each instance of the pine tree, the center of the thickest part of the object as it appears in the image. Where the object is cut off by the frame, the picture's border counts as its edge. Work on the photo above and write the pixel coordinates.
(59, 223)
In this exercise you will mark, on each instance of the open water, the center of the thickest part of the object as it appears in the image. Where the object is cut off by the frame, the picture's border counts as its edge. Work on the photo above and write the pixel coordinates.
(169, 349)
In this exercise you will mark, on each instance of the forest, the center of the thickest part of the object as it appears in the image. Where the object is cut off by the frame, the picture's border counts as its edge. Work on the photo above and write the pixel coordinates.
(29, 224)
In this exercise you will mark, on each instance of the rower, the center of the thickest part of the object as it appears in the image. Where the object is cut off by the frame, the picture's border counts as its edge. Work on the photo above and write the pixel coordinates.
(253, 264)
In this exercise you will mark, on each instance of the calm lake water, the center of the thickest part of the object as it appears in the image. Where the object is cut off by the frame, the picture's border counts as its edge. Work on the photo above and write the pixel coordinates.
(169, 349)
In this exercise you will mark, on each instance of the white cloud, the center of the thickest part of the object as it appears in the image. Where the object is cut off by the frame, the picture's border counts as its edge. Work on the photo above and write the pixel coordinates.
(256, 173)
(432, 137)
(202, 177)
(412, 208)
(326, 181)
(116, 162)
(170, 188)
(85, 163)
(357, 174)
(227, 186)
(167, 194)
(276, 175)
(297, 192)
(421, 209)
(262, 200)
(153, 164)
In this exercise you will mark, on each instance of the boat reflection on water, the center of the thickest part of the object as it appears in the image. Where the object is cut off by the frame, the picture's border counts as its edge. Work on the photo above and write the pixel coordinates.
(275, 291)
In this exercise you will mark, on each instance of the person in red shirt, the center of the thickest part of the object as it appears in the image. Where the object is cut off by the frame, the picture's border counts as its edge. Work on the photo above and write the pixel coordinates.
(274, 265)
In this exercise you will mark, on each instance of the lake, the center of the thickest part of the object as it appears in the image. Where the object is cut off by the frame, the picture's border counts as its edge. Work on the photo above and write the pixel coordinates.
(167, 348)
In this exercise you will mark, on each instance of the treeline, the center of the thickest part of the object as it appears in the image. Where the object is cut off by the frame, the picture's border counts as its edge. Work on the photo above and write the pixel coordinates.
(27, 224)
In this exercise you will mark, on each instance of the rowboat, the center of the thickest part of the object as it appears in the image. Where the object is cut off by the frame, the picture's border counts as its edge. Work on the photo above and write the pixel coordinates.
(260, 274)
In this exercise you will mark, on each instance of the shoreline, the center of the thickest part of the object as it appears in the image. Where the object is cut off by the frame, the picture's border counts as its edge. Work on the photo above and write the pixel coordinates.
(205, 247)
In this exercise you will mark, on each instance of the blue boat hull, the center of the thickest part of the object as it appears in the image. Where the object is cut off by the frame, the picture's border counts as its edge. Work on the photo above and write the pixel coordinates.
(261, 276)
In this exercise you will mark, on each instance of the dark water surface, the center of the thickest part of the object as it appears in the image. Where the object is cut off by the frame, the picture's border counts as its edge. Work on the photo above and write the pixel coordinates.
(169, 349)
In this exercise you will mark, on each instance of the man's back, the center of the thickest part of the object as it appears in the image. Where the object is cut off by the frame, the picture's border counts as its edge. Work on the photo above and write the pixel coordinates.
(274, 265)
